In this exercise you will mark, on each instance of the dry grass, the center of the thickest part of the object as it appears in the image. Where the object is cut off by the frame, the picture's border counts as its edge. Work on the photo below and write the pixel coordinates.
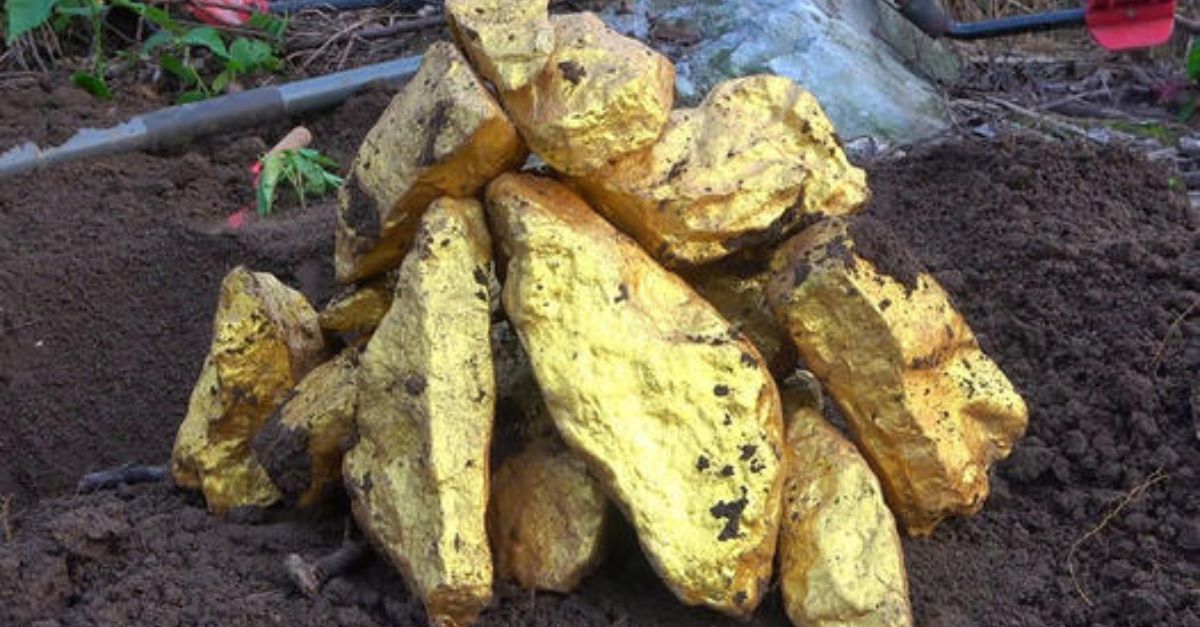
(1158, 476)
(6, 518)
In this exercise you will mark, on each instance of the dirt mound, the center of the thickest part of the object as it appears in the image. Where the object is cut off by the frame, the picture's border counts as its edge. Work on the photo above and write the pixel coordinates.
(1078, 269)
(109, 271)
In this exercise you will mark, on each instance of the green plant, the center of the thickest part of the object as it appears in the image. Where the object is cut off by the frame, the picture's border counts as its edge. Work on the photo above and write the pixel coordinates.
(306, 169)
(171, 44)
(1193, 72)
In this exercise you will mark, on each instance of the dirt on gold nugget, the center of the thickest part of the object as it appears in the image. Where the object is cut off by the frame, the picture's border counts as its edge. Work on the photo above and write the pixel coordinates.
(265, 339)
(509, 41)
(753, 162)
(840, 559)
(442, 135)
(418, 475)
(927, 406)
(601, 96)
(621, 346)
(301, 445)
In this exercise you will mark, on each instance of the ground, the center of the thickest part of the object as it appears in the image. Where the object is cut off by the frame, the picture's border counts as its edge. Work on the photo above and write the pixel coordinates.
(1078, 266)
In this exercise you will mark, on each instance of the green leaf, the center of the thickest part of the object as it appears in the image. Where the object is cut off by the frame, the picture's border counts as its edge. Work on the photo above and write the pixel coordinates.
(206, 37)
(268, 178)
(1193, 61)
(194, 95)
(156, 40)
(87, 10)
(155, 15)
(184, 72)
(222, 81)
(92, 83)
(271, 24)
(26, 15)
(1189, 110)
(247, 55)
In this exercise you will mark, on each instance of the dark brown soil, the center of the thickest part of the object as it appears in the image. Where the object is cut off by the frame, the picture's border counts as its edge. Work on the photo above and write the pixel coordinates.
(1072, 265)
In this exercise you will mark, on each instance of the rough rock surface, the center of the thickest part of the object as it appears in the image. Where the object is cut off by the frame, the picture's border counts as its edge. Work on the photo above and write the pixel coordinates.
(840, 559)
(547, 518)
(442, 135)
(418, 476)
(301, 445)
(601, 96)
(358, 309)
(265, 339)
(508, 41)
(754, 161)
(928, 407)
(620, 346)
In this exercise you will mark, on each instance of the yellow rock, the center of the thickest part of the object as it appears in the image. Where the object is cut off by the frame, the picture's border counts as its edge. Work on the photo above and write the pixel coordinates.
(442, 135)
(840, 559)
(418, 476)
(600, 96)
(547, 518)
(675, 415)
(752, 163)
(737, 287)
(928, 408)
(509, 41)
(301, 445)
(265, 339)
(359, 309)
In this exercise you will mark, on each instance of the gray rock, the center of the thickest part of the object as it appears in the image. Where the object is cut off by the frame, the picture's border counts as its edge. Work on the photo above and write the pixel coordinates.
(830, 47)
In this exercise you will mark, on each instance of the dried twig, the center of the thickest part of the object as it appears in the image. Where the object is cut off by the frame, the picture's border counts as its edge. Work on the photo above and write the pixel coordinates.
(6, 518)
(309, 577)
(124, 475)
(1156, 477)
(1160, 352)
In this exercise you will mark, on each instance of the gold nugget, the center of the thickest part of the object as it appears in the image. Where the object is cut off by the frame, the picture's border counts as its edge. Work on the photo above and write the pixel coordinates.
(507, 40)
(418, 476)
(840, 559)
(547, 518)
(301, 445)
(674, 411)
(442, 135)
(928, 408)
(265, 339)
(359, 309)
(754, 161)
(600, 96)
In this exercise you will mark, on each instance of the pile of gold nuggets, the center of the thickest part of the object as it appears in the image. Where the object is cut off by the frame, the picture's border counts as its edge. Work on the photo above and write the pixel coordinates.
(663, 272)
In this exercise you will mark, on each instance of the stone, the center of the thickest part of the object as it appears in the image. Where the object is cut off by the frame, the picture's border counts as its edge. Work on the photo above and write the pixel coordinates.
(752, 163)
(359, 308)
(737, 287)
(302, 443)
(547, 518)
(817, 43)
(418, 475)
(600, 96)
(619, 347)
(442, 135)
(840, 559)
(265, 339)
(508, 41)
(927, 407)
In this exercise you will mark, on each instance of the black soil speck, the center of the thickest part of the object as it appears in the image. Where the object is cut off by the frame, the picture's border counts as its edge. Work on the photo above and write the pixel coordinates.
(721, 390)
(572, 72)
(731, 511)
(415, 385)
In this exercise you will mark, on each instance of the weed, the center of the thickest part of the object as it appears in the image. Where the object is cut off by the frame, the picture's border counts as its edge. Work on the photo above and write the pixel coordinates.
(171, 45)
(306, 169)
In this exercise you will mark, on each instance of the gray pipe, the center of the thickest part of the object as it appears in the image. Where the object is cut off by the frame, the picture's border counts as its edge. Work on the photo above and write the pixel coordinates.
(180, 124)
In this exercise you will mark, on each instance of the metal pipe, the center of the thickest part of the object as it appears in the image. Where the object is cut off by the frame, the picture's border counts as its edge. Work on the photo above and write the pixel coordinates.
(931, 18)
(182, 123)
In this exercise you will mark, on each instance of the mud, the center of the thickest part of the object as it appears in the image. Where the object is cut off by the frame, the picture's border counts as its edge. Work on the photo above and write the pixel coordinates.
(1079, 269)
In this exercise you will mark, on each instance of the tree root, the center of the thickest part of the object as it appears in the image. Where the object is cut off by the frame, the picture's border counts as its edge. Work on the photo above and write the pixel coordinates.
(309, 577)
(1156, 477)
